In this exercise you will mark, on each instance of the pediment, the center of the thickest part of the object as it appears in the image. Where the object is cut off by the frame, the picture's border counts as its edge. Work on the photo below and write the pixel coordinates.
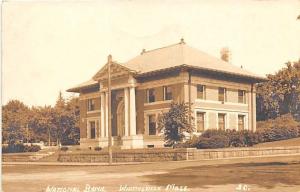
(116, 69)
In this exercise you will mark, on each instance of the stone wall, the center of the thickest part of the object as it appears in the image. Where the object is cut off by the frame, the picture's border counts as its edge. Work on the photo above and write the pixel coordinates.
(168, 154)
(133, 155)
(196, 154)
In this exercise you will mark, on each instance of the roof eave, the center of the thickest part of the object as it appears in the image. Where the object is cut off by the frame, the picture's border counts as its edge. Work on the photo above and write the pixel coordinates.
(77, 89)
(185, 66)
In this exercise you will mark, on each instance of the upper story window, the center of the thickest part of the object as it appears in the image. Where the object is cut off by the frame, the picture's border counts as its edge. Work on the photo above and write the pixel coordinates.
(222, 94)
(168, 93)
(200, 121)
(91, 104)
(152, 124)
(242, 97)
(150, 95)
(200, 91)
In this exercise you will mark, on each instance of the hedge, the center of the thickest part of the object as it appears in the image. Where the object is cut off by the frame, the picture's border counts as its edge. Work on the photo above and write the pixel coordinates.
(20, 148)
(281, 128)
(212, 139)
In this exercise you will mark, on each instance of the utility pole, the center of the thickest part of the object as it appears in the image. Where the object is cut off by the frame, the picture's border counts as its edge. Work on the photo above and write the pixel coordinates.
(27, 133)
(109, 110)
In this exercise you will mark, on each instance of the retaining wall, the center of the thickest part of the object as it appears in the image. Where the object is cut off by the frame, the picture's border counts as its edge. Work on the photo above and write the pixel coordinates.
(134, 155)
(167, 154)
(204, 154)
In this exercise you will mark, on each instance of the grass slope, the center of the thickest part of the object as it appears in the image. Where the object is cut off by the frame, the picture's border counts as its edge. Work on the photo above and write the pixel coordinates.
(283, 143)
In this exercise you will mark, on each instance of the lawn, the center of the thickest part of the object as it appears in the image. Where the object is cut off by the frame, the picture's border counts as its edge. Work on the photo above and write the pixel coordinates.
(283, 143)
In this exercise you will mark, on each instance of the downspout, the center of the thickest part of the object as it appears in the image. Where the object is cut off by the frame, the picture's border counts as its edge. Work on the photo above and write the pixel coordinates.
(252, 119)
(190, 98)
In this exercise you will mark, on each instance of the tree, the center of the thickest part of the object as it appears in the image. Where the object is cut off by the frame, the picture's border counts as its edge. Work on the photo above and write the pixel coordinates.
(175, 123)
(280, 94)
(49, 124)
(66, 120)
(42, 124)
(14, 122)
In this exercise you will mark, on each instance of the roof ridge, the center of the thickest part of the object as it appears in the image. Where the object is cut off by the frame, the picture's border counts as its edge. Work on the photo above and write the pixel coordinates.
(147, 51)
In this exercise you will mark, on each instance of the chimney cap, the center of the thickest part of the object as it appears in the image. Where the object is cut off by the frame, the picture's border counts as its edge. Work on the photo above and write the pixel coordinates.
(182, 41)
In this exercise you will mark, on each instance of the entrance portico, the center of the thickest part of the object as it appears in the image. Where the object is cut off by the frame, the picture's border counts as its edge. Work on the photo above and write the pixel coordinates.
(123, 118)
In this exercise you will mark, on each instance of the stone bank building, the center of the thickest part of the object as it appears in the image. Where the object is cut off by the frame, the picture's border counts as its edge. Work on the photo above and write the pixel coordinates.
(222, 96)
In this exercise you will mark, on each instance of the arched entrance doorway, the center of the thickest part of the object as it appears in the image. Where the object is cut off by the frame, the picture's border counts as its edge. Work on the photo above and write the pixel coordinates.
(120, 119)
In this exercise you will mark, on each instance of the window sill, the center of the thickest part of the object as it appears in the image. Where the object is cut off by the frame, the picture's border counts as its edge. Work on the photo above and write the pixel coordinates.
(94, 111)
(158, 102)
(221, 102)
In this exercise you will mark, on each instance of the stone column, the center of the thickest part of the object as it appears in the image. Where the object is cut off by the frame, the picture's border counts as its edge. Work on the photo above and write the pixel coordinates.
(126, 110)
(249, 102)
(132, 111)
(102, 103)
(106, 114)
(253, 109)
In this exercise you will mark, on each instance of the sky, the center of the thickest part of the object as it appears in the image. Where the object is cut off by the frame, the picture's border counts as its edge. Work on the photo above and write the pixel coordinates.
(50, 46)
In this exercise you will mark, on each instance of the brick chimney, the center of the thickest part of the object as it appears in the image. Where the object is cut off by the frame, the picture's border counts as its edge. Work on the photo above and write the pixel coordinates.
(226, 54)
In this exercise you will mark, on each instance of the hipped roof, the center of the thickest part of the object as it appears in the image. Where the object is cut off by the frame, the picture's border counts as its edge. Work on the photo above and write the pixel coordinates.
(177, 55)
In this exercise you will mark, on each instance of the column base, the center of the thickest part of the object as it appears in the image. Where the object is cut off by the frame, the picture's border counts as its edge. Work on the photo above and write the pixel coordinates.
(103, 142)
(132, 142)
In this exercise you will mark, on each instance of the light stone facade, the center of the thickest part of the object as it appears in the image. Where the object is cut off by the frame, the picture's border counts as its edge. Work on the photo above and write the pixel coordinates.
(132, 111)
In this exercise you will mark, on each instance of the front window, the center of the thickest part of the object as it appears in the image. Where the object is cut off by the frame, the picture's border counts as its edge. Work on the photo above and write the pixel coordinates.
(91, 104)
(221, 121)
(151, 95)
(167, 93)
(92, 130)
(200, 122)
(241, 122)
(222, 94)
(152, 125)
(242, 98)
(200, 91)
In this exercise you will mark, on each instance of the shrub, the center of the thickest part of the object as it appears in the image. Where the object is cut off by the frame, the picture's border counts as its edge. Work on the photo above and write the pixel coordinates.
(283, 121)
(211, 139)
(64, 148)
(212, 132)
(283, 127)
(32, 148)
(98, 148)
(20, 148)
(252, 138)
(236, 138)
(278, 133)
(213, 142)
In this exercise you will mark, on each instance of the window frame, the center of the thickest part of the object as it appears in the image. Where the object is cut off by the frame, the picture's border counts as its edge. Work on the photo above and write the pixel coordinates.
(197, 120)
(224, 94)
(224, 121)
(243, 96)
(91, 136)
(165, 88)
(149, 124)
(148, 95)
(243, 122)
(91, 104)
(203, 91)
